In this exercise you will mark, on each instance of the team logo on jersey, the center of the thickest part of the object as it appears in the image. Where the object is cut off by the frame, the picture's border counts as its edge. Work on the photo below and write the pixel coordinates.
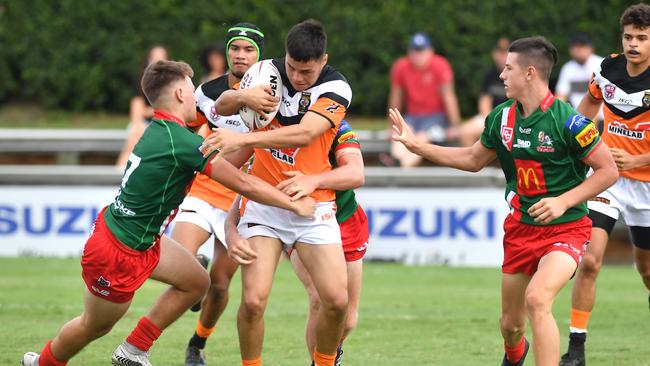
(646, 99)
(286, 155)
(506, 134)
(610, 89)
(545, 143)
(305, 101)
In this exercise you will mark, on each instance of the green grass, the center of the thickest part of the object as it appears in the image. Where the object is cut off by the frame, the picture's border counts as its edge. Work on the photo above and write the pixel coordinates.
(409, 316)
(33, 116)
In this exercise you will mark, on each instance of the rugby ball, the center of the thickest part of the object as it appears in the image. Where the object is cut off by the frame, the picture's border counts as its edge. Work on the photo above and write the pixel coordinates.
(261, 73)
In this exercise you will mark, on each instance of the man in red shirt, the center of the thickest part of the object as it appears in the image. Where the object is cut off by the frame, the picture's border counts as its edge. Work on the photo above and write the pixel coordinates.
(422, 84)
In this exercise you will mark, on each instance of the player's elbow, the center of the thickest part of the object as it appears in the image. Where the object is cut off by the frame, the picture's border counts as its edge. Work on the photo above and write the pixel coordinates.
(304, 137)
(358, 179)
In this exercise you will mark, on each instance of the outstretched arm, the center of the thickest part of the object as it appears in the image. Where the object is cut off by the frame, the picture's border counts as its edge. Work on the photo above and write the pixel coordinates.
(256, 189)
(471, 159)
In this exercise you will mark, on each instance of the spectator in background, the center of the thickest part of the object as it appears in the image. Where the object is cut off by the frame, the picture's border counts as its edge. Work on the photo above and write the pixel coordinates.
(213, 60)
(492, 94)
(140, 110)
(576, 74)
(422, 84)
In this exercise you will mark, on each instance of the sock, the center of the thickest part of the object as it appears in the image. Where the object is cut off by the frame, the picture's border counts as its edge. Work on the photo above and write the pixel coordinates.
(255, 362)
(144, 334)
(201, 335)
(514, 354)
(579, 320)
(577, 342)
(47, 358)
(197, 341)
(324, 360)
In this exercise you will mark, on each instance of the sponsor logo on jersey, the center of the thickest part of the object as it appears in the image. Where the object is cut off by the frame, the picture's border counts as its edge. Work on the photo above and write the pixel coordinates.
(646, 99)
(610, 89)
(213, 113)
(620, 129)
(525, 131)
(305, 101)
(350, 135)
(587, 135)
(286, 155)
(333, 108)
(530, 177)
(522, 144)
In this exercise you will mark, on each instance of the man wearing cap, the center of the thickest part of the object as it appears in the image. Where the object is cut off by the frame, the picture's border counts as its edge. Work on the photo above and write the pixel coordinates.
(575, 74)
(422, 84)
(204, 210)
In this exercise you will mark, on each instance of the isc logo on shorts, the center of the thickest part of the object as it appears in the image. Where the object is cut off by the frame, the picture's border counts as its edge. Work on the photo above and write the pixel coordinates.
(100, 291)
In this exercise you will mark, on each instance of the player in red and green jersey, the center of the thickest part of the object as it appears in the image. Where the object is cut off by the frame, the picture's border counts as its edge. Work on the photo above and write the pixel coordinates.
(347, 162)
(127, 246)
(545, 149)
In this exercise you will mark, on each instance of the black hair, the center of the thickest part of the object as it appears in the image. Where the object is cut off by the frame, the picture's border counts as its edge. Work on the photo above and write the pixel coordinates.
(306, 41)
(207, 51)
(638, 15)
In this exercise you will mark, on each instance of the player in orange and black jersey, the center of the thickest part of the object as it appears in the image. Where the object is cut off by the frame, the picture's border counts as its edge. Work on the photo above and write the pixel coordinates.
(622, 87)
(315, 99)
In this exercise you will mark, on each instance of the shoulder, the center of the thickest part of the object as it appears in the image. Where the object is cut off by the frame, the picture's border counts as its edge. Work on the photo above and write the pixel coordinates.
(213, 88)
(438, 60)
(333, 85)
(612, 64)
(400, 64)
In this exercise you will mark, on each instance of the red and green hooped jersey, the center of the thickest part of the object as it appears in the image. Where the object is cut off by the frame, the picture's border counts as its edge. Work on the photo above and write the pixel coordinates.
(541, 155)
(346, 203)
(157, 176)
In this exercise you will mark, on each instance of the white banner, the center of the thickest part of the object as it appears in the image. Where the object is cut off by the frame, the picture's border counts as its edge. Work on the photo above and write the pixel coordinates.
(415, 226)
(458, 227)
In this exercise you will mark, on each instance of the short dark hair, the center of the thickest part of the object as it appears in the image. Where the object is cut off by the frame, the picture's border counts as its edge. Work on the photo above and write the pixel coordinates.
(159, 75)
(536, 51)
(638, 15)
(306, 41)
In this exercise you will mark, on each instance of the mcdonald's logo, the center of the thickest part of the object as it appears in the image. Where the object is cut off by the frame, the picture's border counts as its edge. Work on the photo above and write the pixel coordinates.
(530, 178)
(523, 175)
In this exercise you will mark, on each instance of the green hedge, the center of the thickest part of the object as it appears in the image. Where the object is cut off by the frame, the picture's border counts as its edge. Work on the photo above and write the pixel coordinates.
(83, 54)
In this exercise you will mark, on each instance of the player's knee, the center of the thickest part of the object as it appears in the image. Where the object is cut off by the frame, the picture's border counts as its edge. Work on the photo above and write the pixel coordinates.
(512, 327)
(252, 306)
(335, 303)
(538, 301)
(590, 265)
(219, 289)
(96, 330)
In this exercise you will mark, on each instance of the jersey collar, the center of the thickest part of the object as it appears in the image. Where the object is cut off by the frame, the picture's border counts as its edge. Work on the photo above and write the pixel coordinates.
(548, 100)
(158, 114)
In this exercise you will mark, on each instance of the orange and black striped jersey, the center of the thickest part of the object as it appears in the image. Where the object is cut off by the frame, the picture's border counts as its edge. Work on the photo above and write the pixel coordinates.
(204, 187)
(626, 110)
(329, 97)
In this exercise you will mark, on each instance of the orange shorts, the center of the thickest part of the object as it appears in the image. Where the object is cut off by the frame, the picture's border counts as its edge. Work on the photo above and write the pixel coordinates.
(110, 269)
(524, 245)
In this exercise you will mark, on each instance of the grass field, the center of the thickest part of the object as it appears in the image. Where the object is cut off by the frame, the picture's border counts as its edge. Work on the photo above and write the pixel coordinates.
(409, 316)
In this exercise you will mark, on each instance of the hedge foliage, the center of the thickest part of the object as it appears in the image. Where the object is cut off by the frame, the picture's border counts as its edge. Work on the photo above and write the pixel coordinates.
(84, 54)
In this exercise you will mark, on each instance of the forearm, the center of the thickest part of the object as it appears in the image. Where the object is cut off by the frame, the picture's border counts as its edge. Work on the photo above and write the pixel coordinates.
(598, 182)
(229, 102)
(342, 178)
(453, 157)
(643, 159)
(232, 219)
(259, 191)
(285, 137)
(589, 106)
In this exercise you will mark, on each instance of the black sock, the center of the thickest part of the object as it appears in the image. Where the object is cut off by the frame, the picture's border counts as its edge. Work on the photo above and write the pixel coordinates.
(197, 341)
(577, 342)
